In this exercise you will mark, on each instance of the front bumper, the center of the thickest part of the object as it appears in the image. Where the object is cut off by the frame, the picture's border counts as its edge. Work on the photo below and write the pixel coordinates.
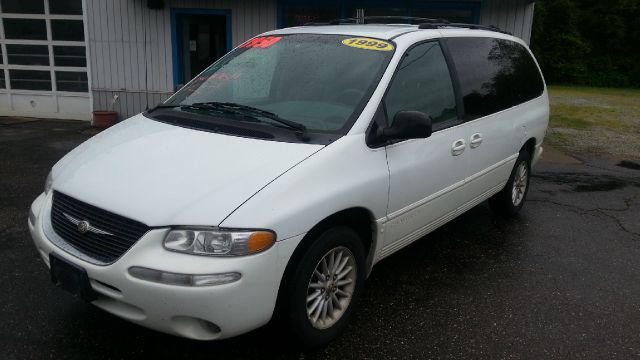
(202, 313)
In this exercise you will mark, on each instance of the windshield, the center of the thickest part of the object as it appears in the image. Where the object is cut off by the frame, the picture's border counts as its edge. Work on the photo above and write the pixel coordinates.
(321, 82)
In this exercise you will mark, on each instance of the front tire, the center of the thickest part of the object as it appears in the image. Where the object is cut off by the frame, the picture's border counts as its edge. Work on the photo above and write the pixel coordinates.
(325, 286)
(510, 200)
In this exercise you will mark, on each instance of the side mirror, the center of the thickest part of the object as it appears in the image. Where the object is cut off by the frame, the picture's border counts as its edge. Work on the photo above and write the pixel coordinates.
(407, 125)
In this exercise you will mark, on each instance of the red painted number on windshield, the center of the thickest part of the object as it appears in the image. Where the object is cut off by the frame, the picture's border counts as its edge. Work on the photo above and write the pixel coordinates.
(261, 42)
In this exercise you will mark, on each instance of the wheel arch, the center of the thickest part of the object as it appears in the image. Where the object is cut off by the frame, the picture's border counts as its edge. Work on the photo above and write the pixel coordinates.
(359, 219)
(529, 146)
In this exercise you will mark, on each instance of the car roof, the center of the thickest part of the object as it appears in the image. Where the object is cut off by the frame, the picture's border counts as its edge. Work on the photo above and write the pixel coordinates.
(389, 31)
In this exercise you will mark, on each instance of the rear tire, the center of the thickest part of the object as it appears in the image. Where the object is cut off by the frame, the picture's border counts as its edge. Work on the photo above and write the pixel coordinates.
(324, 286)
(510, 200)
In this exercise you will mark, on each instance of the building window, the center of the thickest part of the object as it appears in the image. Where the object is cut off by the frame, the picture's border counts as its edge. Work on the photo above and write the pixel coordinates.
(22, 6)
(44, 49)
(28, 54)
(30, 79)
(391, 10)
(67, 30)
(65, 7)
(69, 56)
(296, 15)
(458, 16)
(27, 29)
(71, 81)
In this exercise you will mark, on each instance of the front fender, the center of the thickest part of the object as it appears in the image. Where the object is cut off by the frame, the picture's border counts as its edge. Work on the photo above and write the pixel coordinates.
(346, 174)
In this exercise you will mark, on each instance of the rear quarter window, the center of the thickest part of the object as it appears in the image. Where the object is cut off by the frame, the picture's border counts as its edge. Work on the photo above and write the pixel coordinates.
(494, 74)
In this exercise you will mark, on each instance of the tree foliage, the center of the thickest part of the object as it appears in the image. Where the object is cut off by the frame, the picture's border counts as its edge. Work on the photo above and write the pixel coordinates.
(588, 42)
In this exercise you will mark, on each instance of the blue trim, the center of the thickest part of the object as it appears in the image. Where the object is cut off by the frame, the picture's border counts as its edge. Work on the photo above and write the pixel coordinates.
(176, 35)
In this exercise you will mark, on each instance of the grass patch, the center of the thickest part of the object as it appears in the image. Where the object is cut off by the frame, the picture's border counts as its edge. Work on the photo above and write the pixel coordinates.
(569, 122)
(582, 108)
(582, 116)
(582, 90)
(558, 139)
(595, 120)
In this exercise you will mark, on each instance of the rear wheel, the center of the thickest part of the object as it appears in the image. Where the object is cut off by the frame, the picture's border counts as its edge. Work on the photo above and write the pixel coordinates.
(510, 200)
(325, 285)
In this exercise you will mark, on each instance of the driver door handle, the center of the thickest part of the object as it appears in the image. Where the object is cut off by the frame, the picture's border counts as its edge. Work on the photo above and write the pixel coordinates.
(458, 147)
(475, 141)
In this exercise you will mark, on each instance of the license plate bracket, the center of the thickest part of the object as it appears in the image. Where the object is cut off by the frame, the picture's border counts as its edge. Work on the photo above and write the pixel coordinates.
(71, 278)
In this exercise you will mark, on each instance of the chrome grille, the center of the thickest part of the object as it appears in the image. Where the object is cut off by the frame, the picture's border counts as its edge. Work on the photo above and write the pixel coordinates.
(117, 233)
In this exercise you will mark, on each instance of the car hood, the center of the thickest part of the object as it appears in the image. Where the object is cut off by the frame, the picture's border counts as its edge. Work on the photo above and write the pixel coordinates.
(162, 174)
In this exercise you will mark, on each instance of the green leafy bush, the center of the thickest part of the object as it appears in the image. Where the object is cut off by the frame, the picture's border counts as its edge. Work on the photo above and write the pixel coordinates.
(588, 42)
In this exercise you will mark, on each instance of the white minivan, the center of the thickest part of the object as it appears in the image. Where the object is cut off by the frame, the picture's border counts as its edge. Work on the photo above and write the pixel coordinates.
(282, 173)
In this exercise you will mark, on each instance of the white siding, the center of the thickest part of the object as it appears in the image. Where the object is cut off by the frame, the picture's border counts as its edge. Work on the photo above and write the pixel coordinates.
(514, 16)
(131, 52)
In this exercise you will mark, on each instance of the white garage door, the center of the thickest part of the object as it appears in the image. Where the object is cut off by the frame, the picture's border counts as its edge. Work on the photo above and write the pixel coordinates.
(43, 62)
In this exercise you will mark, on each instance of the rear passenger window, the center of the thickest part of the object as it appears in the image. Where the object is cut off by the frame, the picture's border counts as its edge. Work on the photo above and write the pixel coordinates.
(422, 83)
(494, 74)
(527, 76)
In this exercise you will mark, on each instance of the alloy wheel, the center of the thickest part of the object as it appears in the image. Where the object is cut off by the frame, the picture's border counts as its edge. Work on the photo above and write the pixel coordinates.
(331, 287)
(519, 184)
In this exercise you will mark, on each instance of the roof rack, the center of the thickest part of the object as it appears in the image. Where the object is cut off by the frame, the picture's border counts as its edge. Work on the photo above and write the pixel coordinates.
(423, 23)
(445, 24)
(410, 20)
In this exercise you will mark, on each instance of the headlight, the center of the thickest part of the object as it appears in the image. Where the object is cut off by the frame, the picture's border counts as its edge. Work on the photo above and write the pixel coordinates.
(219, 242)
(47, 183)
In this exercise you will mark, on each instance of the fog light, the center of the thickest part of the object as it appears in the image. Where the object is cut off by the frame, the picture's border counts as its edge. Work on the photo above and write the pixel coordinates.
(169, 278)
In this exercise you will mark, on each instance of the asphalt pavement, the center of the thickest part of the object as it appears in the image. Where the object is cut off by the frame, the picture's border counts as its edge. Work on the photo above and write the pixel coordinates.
(562, 280)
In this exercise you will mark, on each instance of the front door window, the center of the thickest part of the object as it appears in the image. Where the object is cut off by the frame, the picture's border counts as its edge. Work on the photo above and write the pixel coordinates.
(422, 83)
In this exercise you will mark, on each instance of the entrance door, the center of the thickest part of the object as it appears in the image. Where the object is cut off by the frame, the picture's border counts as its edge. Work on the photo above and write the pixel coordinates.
(202, 39)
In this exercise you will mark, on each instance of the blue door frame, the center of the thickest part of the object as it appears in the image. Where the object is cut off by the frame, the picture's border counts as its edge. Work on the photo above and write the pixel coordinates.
(344, 5)
(176, 36)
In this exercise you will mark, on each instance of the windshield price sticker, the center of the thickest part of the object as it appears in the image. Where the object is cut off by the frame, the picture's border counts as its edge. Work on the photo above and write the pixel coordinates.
(261, 42)
(368, 44)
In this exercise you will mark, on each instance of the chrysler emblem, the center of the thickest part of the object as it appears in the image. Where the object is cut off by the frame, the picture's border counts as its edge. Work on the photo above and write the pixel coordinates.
(84, 226)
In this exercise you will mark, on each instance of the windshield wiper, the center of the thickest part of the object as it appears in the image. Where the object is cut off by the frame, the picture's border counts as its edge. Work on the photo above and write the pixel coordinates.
(163, 106)
(252, 110)
(246, 111)
(200, 106)
(204, 106)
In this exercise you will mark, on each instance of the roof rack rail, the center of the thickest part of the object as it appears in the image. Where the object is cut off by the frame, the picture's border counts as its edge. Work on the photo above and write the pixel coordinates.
(439, 25)
(423, 23)
(410, 20)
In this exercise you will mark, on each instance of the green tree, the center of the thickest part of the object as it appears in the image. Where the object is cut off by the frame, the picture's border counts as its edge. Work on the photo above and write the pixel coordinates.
(588, 42)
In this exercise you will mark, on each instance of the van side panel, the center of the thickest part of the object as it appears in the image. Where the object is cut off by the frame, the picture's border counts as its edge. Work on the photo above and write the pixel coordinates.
(503, 97)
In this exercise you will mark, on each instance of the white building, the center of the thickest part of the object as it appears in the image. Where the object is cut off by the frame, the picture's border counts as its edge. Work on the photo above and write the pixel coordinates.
(66, 58)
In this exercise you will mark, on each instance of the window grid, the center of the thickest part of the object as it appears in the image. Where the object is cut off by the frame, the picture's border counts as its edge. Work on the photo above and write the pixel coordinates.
(49, 42)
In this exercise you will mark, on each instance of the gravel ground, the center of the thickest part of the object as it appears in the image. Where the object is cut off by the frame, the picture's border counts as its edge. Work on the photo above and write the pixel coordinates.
(608, 121)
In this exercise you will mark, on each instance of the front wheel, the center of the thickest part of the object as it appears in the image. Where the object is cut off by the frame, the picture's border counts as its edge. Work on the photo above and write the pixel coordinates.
(325, 286)
(510, 200)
